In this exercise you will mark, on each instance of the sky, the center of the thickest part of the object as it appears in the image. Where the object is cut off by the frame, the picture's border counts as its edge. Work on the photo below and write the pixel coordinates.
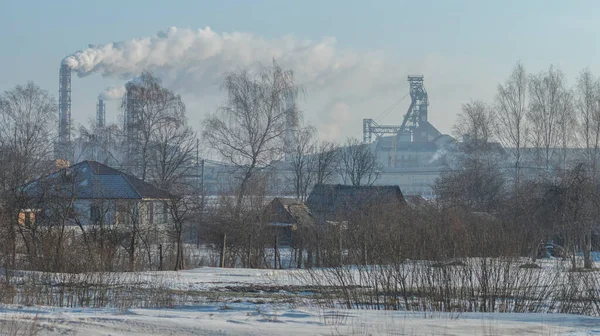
(350, 57)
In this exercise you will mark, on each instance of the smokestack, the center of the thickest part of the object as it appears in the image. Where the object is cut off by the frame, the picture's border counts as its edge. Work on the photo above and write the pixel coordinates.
(291, 123)
(64, 111)
(130, 116)
(100, 113)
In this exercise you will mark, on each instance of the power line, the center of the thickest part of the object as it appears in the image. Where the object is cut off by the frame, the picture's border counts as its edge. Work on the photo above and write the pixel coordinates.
(389, 109)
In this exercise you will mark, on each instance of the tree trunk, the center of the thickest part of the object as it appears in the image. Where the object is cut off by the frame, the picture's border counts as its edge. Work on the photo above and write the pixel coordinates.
(299, 256)
(223, 249)
(179, 258)
(275, 243)
(132, 251)
(587, 249)
(318, 253)
(160, 258)
(364, 254)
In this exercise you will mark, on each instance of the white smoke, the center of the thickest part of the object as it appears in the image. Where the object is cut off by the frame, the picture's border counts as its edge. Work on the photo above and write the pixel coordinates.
(181, 55)
(440, 153)
(112, 93)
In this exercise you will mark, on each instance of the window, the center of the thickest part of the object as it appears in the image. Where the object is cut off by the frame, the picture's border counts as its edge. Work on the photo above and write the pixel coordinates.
(95, 213)
(150, 212)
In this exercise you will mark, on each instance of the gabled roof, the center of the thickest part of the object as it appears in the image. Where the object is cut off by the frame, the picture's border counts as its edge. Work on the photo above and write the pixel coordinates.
(93, 180)
(287, 210)
(327, 199)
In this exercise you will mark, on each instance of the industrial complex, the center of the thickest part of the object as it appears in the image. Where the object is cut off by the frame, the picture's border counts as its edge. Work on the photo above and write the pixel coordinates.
(410, 155)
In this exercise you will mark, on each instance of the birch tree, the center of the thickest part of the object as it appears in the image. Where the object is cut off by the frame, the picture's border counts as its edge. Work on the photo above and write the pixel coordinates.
(248, 130)
(547, 90)
(27, 133)
(587, 105)
(511, 110)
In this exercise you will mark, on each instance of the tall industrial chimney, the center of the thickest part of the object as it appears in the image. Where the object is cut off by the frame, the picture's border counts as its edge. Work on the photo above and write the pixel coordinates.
(100, 113)
(291, 124)
(64, 113)
(131, 113)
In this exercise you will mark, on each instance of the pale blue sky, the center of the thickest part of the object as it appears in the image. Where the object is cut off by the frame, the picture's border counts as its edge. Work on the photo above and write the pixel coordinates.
(463, 47)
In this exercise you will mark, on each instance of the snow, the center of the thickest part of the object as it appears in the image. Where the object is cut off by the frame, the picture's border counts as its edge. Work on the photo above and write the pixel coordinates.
(248, 314)
(247, 320)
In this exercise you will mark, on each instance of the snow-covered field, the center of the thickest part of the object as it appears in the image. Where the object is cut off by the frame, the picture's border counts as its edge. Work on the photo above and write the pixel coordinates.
(248, 320)
(235, 311)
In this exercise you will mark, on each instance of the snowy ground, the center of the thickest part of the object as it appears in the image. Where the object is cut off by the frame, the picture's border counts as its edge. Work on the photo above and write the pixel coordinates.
(210, 320)
(260, 313)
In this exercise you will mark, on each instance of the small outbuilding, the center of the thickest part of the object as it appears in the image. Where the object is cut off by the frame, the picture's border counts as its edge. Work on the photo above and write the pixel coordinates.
(334, 202)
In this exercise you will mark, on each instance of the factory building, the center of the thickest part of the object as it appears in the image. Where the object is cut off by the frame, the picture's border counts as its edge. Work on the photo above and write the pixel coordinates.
(413, 154)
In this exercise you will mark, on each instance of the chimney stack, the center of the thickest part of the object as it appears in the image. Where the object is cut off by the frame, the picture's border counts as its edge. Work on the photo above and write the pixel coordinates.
(100, 113)
(64, 113)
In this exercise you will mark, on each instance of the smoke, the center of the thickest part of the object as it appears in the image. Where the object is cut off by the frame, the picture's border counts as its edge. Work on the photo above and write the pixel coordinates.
(440, 153)
(182, 56)
(112, 93)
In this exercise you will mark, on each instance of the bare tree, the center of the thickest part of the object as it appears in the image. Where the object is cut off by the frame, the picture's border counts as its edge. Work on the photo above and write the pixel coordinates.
(358, 164)
(172, 154)
(301, 159)
(102, 144)
(148, 106)
(474, 126)
(27, 118)
(27, 124)
(326, 160)
(160, 147)
(547, 94)
(567, 124)
(587, 93)
(511, 115)
(477, 186)
(172, 161)
(182, 210)
(248, 130)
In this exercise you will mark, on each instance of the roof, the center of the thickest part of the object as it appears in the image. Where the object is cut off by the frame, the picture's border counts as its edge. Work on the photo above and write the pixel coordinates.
(93, 180)
(328, 199)
(288, 210)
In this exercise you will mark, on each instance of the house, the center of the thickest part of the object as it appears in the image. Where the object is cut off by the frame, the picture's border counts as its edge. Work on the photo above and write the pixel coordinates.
(336, 202)
(90, 193)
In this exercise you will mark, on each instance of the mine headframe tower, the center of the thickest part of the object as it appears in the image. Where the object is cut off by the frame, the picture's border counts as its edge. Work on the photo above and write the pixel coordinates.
(417, 113)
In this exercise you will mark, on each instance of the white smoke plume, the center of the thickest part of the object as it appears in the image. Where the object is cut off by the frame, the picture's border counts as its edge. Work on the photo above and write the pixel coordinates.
(184, 54)
(112, 93)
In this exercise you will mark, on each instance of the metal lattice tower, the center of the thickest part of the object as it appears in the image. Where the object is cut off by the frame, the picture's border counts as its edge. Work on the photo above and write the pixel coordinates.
(417, 112)
(100, 113)
(370, 128)
(64, 111)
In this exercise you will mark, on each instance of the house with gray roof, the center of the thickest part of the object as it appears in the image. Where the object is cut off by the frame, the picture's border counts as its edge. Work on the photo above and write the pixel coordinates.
(92, 193)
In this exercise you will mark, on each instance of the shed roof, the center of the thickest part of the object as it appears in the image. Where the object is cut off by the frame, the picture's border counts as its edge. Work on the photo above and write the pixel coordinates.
(288, 210)
(326, 199)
